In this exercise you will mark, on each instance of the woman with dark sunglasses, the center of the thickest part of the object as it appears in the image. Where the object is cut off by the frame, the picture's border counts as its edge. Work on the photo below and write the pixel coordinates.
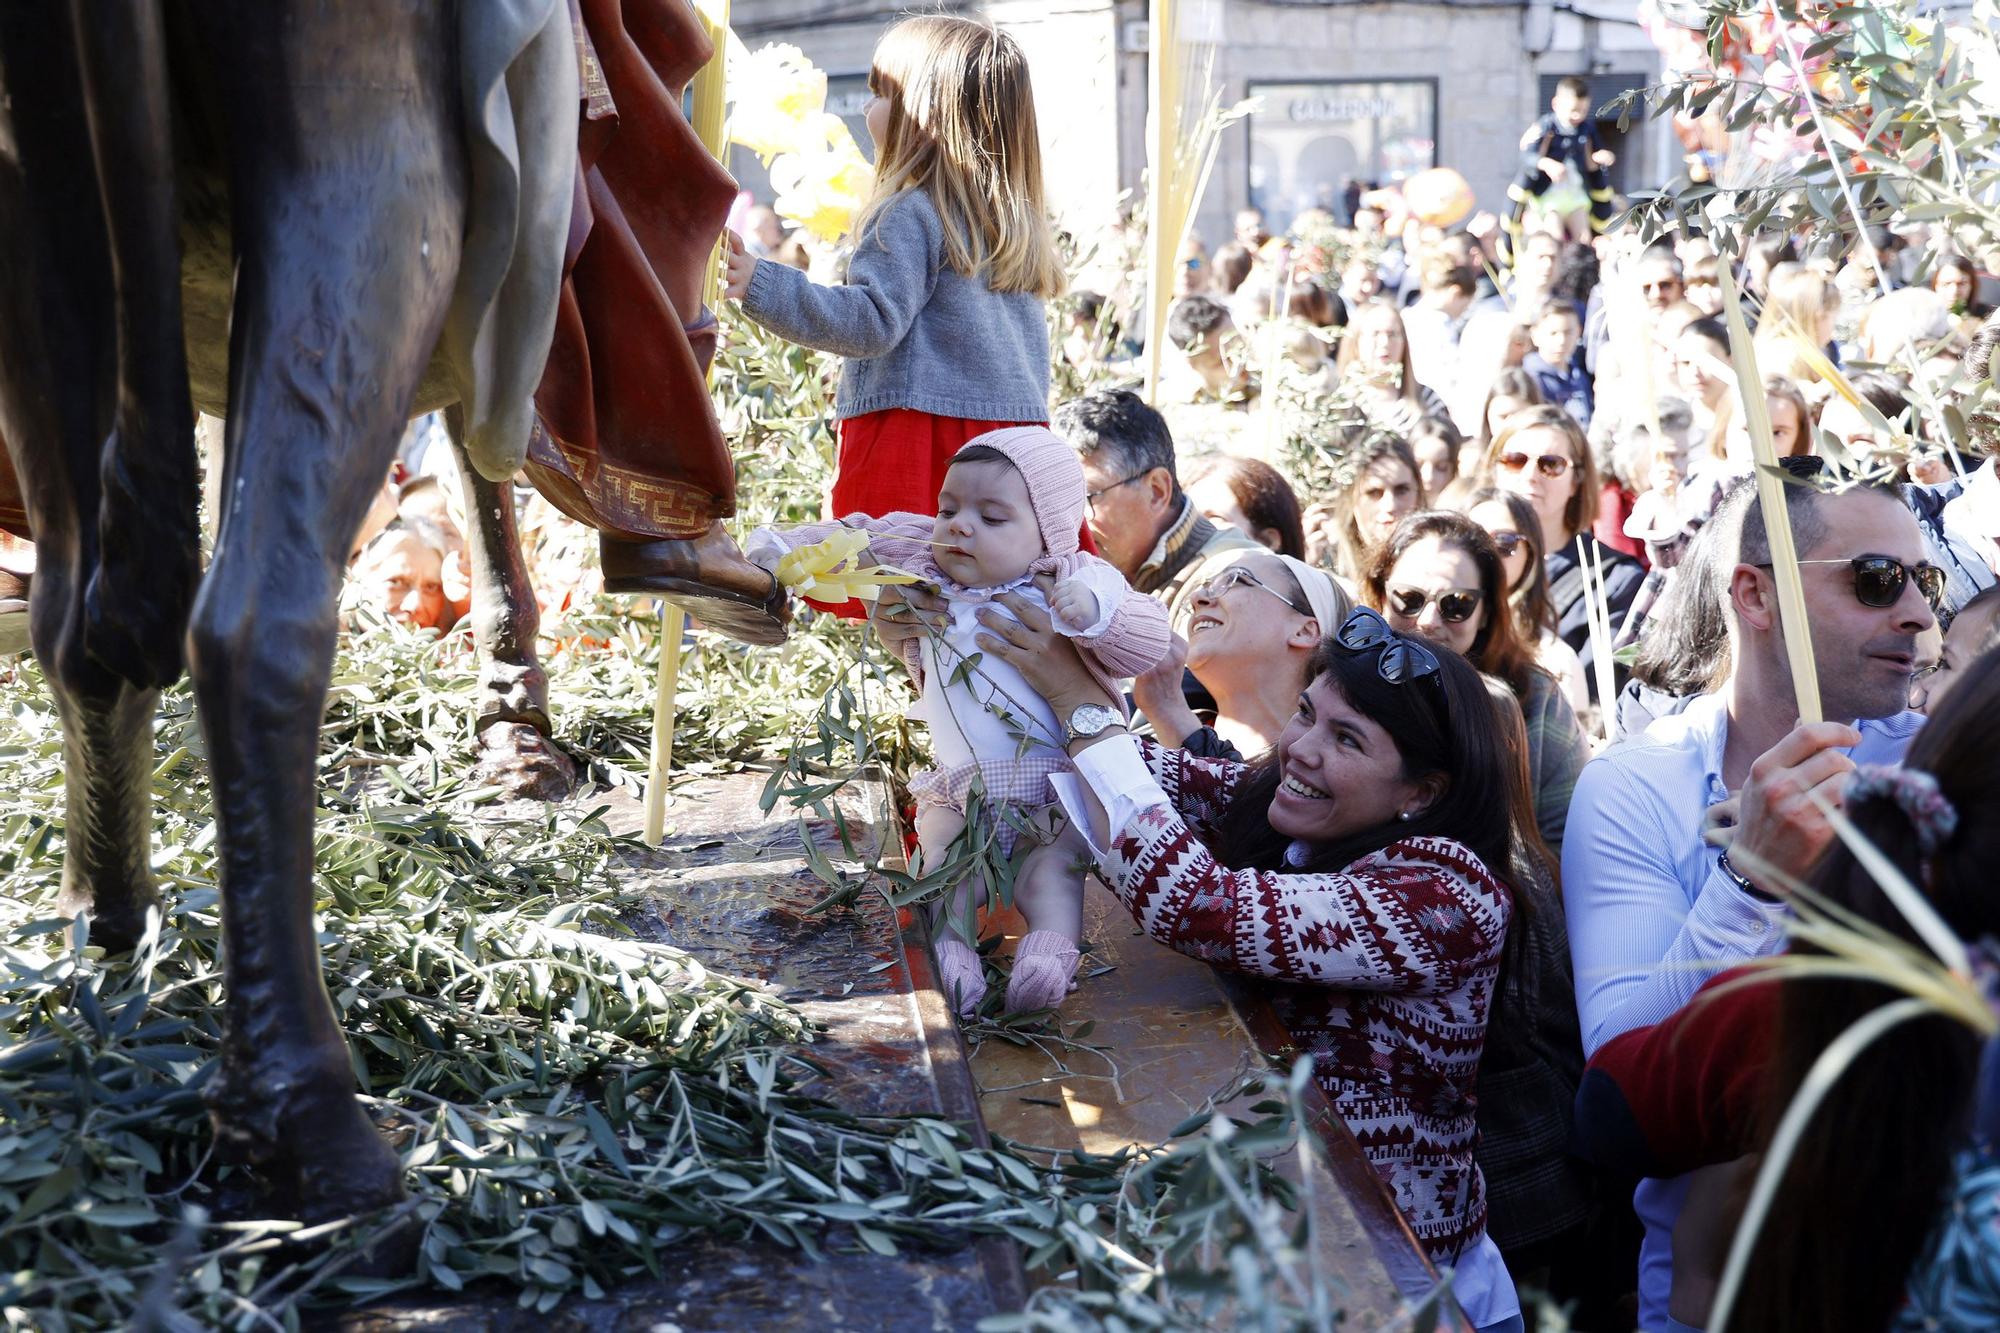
(1364, 869)
(1542, 455)
(1440, 576)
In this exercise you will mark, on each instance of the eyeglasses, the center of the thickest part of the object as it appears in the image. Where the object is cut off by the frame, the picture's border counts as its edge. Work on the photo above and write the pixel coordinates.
(1403, 659)
(1455, 605)
(1508, 542)
(1090, 497)
(1551, 466)
(1212, 588)
(1879, 580)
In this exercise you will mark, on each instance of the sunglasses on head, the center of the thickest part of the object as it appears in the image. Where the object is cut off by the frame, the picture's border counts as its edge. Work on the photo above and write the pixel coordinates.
(1455, 605)
(1879, 580)
(1403, 659)
(1549, 465)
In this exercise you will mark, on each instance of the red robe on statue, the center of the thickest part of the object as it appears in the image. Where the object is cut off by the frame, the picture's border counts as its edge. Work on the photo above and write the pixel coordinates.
(628, 440)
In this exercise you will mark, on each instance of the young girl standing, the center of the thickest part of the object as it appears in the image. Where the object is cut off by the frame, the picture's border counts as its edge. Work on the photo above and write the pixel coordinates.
(941, 322)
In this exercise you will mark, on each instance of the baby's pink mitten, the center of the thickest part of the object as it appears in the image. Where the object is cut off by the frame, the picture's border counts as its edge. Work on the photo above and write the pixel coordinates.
(1044, 962)
(960, 976)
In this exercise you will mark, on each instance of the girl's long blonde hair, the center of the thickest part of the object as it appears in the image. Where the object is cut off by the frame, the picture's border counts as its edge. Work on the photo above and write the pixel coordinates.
(962, 129)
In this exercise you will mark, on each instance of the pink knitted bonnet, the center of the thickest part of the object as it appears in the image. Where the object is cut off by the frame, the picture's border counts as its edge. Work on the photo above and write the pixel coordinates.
(1055, 480)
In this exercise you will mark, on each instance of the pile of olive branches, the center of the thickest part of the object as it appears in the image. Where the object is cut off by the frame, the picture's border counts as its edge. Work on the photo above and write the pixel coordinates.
(569, 1101)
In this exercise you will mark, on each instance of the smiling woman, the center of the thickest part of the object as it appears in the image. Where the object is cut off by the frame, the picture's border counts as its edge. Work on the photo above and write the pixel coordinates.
(1364, 867)
(1251, 631)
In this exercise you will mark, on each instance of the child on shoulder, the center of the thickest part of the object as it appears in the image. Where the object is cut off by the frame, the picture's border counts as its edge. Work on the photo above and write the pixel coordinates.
(1006, 522)
(1563, 161)
(941, 321)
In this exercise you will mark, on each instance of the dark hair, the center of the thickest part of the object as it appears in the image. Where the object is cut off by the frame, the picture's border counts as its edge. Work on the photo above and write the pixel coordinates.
(1231, 264)
(1442, 429)
(1874, 1165)
(1711, 328)
(1982, 414)
(1119, 424)
(1884, 392)
(1266, 499)
(1090, 310)
(1372, 447)
(1512, 382)
(1772, 249)
(1573, 84)
(1805, 511)
(1497, 649)
(1441, 271)
(1193, 319)
(1683, 647)
(1576, 274)
(980, 453)
(1316, 305)
(1444, 724)
(1958, 263)
(1532, 601)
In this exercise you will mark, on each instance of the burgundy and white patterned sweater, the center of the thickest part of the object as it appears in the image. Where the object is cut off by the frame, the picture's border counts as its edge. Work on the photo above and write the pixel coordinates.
(1385, 974)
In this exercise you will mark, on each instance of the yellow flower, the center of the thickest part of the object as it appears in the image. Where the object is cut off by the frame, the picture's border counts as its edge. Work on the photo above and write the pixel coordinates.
(776, 96)
(830, 571)
(821, 188)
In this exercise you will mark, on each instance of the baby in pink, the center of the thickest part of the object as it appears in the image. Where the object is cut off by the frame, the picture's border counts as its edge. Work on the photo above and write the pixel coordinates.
(1009, 512)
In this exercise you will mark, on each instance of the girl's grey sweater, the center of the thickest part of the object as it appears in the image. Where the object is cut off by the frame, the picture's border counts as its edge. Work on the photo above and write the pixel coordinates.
(914, 333)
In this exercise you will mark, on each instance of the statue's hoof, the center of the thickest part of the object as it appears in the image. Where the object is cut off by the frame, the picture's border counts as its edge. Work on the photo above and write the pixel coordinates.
(291, 1117)
(526, 764)
(116, 914)
(706, 576)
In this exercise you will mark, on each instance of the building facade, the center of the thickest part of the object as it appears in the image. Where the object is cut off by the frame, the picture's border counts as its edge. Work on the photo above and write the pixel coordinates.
(1345, 91)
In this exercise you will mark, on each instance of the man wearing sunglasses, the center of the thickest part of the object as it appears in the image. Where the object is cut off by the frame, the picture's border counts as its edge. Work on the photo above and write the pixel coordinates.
(1654, 907)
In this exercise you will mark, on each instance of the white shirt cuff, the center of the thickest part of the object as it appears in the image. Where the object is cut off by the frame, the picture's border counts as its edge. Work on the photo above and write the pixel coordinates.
(1123, 785)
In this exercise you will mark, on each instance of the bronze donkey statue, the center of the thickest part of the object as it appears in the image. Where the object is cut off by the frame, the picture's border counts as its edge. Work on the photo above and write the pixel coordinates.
(314, 219)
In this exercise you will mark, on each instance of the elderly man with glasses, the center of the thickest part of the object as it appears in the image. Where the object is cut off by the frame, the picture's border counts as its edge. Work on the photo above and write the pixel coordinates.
(1141, 520)
(1654, 906)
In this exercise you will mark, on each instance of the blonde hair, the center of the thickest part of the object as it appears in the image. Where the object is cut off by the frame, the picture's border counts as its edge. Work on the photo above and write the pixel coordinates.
(1798, 298)
(1350, 345)
(961, 128)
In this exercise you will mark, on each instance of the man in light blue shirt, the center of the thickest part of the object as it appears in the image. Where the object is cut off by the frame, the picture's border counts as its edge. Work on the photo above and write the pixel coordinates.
(1653, 909)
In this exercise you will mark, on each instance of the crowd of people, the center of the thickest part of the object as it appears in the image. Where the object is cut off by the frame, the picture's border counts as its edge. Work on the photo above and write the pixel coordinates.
(1416, 650)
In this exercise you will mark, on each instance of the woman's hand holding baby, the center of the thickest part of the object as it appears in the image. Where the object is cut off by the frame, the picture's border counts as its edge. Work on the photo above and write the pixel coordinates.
(1074, 604)
(737, 269)
(1049, 662)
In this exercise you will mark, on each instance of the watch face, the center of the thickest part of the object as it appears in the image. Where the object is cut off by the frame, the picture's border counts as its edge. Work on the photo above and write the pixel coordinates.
(1091, 719)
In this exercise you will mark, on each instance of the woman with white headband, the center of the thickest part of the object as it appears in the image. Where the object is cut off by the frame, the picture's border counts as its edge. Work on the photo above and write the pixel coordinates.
(1245, 623)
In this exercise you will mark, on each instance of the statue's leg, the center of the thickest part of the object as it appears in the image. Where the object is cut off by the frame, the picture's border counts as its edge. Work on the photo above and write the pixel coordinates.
(59, 394)
(515, 751)
(348, 202)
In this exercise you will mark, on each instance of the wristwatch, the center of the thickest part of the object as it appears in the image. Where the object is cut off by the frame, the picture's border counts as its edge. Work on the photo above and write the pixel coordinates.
(1088, 720)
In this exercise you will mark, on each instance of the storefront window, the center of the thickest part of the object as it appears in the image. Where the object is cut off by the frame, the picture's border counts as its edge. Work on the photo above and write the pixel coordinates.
(1318, 144)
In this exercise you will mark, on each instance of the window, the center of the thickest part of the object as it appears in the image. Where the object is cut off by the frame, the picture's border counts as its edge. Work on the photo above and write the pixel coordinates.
(1313, 145)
